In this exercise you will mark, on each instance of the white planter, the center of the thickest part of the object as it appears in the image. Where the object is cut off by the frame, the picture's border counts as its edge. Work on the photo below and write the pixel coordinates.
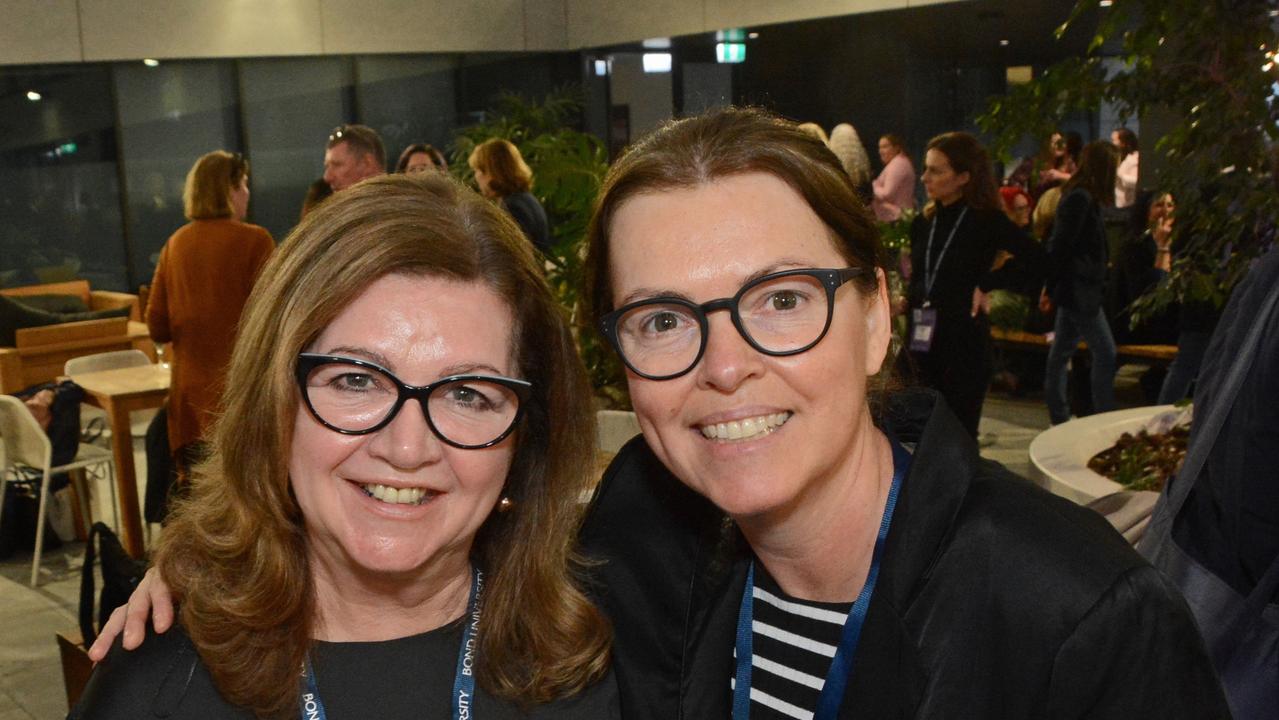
(1061, 453)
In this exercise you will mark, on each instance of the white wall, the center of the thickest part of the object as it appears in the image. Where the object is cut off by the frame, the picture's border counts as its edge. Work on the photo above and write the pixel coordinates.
(46, 31)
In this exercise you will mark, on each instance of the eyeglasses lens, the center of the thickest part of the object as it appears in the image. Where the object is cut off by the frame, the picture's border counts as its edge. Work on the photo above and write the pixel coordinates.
(779, 315)
(354, 398)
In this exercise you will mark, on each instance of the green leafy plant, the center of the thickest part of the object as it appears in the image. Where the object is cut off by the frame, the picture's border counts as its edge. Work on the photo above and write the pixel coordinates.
(1210, 65)
(568, 168)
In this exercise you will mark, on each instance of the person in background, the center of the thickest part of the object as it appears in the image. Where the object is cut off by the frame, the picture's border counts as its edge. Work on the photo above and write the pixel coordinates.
(354, 153)
(894, 189)
(1017, 206)
(421, 157)
(954, 244)
(502, 175)
(1146, 257)
(1125, 141)
(1077, 284)
(847, 146)
(1052, 166)
(316, 193)
(202, 281)
(384, 527)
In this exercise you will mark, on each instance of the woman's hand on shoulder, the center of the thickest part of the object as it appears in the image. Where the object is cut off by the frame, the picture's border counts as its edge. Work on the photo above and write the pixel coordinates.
(150, 598)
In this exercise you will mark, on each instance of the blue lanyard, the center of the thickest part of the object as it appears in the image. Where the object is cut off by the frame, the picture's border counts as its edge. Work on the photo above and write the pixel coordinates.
(930, 268)
(841, 665)
(463, 679)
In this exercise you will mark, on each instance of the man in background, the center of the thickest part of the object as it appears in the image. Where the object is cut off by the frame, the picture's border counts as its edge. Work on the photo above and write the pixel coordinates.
(354, 153)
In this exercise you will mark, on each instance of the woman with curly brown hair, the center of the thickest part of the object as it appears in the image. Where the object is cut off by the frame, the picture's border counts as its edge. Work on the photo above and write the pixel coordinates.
(396, 374)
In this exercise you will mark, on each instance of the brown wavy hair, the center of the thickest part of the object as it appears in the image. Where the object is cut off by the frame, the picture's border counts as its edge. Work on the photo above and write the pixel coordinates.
(236, 548)
(207, 192)
(508, 173)
(1098, 164)
(965, 153)
(724, 143)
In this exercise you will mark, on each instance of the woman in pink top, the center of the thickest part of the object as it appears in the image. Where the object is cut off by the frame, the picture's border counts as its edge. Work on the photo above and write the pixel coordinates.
(895, 187)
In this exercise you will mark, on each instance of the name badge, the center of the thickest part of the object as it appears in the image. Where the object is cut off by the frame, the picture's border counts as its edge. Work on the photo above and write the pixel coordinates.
(925, 325)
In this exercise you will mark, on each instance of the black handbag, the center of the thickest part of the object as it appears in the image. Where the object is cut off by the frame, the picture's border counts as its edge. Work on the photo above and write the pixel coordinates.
(1241, 631)
(120, 575)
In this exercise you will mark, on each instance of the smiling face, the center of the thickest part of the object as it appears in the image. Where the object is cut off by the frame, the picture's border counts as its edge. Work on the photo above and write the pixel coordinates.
(941, 182)
(421, 329)
(801, 414)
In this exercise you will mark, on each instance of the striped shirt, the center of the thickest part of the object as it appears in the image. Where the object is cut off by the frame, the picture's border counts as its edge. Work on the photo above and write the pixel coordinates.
(794, 642)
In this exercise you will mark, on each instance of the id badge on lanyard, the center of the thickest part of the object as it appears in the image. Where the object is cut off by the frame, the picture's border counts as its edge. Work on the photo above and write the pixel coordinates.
(924, 319)
(924, 327)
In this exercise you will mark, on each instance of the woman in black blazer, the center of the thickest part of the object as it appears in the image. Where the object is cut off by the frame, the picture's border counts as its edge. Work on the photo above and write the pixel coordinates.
(1077, 284)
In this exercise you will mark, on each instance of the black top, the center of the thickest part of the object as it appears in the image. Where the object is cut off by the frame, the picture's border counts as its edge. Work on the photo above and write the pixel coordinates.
(531, 216)
(967, 262)
(408, 678)
(1079, 253)
(995, 599)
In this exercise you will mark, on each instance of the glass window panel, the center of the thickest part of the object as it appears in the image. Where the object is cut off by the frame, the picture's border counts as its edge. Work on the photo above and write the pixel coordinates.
(170, 115)
(60, 210)
(408, 99)
(291, 106)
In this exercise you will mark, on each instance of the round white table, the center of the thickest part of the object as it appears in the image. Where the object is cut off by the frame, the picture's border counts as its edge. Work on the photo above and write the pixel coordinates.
(1061, 453)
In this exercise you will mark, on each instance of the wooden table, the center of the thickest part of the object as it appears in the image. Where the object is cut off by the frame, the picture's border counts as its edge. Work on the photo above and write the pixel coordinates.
(120, 392)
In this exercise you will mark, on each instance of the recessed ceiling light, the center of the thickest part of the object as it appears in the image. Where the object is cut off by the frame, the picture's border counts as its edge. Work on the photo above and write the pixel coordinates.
(151, 62)
(753, 36)
(1003, 43)
(34, 96)
(1106, 3)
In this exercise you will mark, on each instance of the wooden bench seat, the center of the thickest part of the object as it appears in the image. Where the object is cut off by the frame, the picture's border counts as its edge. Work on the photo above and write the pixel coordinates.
(1144, 354)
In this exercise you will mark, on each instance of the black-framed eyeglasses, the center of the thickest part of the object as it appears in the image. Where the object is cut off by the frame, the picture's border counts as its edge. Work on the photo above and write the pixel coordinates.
(783, 313)
(357, 397)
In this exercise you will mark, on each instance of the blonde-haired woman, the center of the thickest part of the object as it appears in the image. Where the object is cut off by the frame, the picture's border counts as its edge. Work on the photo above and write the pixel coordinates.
(202, 281)
(386, 507)
(847, 146)
(502, 175)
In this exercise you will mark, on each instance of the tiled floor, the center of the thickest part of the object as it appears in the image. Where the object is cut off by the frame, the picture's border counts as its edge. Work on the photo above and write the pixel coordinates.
(31, 686)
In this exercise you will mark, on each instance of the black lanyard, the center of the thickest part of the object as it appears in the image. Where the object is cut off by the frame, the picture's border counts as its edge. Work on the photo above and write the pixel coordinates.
(931, 268)
(841, 666)
(463, 679)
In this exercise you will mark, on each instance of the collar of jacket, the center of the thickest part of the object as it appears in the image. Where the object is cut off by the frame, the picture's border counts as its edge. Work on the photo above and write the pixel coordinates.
(944, 461)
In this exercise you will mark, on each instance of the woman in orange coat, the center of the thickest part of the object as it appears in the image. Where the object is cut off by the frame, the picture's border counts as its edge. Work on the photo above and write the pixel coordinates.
(201, 283)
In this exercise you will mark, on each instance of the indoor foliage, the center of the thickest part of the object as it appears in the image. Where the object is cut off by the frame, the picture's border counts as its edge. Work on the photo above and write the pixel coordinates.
(568, 168)
(1209, 65)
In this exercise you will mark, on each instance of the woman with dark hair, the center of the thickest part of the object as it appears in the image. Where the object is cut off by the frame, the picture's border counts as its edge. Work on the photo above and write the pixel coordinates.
(202, 281)
(954, 244)
(501, 174)
(785, 539)
(421, 157)
(1077, 284)
(406, 435)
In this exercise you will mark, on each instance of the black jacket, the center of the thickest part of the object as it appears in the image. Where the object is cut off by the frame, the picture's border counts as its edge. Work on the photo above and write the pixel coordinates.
(531, 216)
(1079, 253)
(995, 599)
